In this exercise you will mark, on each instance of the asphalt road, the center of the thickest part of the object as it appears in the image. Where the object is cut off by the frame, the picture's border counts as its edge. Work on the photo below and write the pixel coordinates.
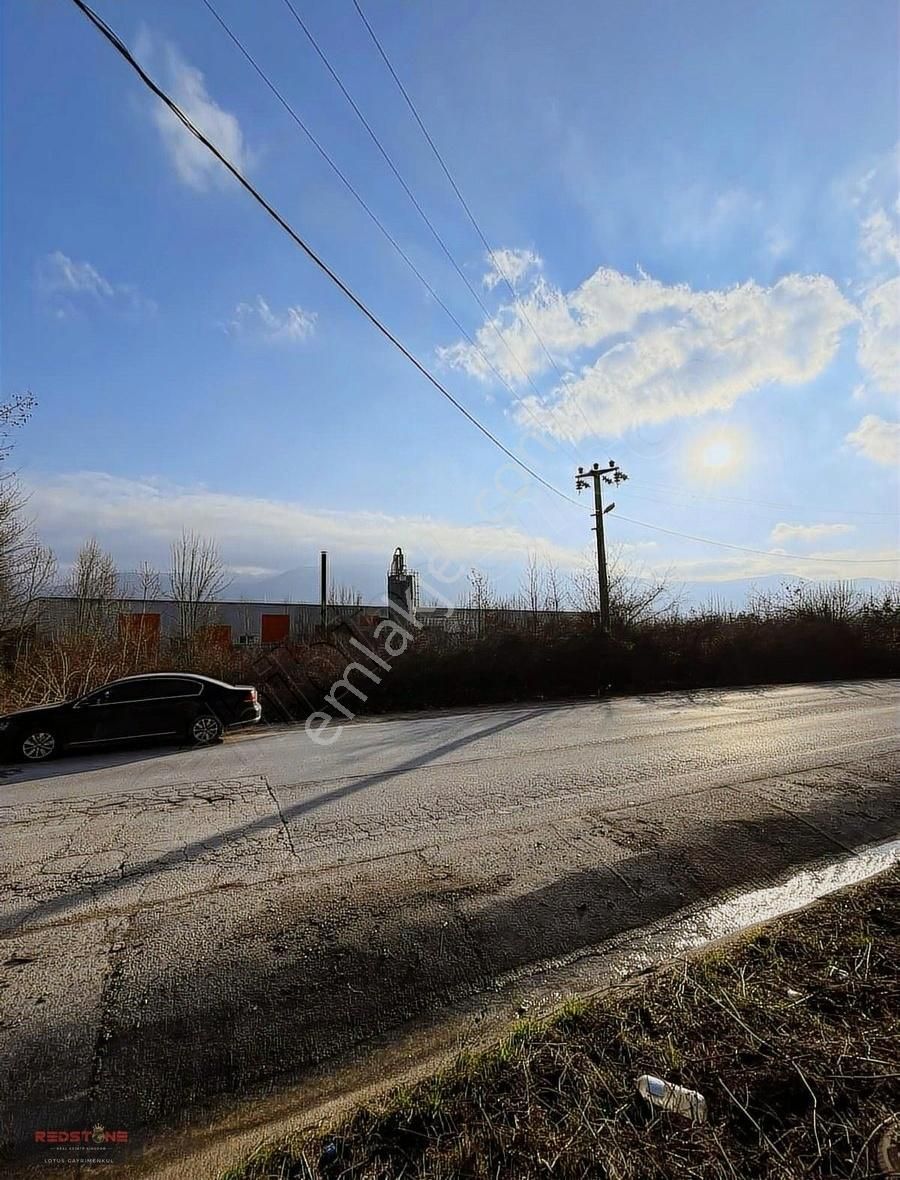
(181, 924)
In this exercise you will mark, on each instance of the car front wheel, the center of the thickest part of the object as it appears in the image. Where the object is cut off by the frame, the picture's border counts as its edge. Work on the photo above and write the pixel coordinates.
(205, 730)
(38, 745)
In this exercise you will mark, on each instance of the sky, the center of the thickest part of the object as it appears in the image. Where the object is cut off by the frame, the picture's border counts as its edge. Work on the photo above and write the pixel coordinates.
(694, 230)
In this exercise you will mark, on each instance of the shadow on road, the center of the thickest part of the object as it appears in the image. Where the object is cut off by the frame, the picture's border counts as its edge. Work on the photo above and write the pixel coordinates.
(299, 976)
(104, 886)
(81, 763)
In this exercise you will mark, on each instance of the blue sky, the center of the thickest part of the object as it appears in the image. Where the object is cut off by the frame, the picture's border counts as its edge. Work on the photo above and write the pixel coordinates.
(697, 205)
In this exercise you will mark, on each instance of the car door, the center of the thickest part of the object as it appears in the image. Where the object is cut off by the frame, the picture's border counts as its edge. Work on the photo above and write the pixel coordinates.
(132, 709)
(176, 703)
(84, 720)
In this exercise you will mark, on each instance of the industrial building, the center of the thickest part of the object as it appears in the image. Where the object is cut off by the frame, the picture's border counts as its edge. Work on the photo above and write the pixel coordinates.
(242, 623)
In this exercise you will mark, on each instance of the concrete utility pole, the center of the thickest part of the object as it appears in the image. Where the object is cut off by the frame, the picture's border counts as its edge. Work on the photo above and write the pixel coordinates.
(611, 475)
(323, 592)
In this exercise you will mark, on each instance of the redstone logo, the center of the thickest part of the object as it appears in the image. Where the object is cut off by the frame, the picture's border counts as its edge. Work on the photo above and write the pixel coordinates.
(97, 1135)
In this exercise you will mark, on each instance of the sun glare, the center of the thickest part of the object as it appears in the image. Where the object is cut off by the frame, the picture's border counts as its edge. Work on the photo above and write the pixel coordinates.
(718, 454)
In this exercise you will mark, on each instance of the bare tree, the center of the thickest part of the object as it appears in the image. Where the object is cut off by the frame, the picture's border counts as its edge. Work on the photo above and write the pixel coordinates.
(149, 582)
(633, 598)
(139, 629)
(94, 585)
(340, 594)
(553, 594)
(35, 573)
(13, 414)
(197, 578)
(27, 568)
(482, 598)
(533, 589)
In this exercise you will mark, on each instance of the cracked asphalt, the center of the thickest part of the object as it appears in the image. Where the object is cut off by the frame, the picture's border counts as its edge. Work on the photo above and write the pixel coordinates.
(179, 927)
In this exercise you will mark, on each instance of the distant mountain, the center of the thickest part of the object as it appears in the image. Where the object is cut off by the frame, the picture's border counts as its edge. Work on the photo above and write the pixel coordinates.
(301, 584)
(735, 593)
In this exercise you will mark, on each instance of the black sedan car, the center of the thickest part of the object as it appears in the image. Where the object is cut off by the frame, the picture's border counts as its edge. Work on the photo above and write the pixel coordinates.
(161, 705)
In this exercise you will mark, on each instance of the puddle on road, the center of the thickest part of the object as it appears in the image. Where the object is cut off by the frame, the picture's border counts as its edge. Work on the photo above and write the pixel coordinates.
(403, 1056)
(693, 928)
(727, 917)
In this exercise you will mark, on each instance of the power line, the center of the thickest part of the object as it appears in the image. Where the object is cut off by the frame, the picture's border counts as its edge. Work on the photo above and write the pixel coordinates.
(123, 50)
(769, 503)
(125, 53)
(365, 206)
(501, 272)
(691, 501)
(462, 200)
(489, 319)
(762, 552)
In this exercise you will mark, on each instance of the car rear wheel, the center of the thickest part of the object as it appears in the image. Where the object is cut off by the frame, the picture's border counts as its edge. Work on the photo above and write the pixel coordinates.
(38, 745)
(205, 730)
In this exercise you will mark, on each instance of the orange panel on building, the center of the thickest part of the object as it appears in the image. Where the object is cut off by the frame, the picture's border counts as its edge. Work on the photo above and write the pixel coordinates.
(218, 634)
(275, 628)
(139, 628)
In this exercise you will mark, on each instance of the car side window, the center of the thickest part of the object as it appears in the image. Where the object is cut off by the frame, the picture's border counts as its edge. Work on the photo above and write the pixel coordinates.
(144, 690)
(178, 688)
(119, 694)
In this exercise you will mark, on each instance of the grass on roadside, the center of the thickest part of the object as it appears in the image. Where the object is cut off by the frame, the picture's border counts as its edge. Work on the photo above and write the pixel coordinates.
(792, 1033)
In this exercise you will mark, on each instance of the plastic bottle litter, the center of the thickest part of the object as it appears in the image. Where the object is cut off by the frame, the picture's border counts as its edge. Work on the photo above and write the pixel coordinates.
(668, 1096)
(889, 1149)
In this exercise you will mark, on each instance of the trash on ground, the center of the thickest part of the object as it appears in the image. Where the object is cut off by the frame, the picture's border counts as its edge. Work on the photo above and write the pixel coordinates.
(889, 1149)
(669, 1096)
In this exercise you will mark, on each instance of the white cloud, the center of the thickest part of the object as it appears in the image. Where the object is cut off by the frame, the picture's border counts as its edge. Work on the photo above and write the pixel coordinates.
(873, 197)
(777, 242)
(195, 165)
(877, 439)
(59, 274)
(699, 217)
(876, 204)
(684, 352)
(880, 237)
(510, 265)
(67, 285)
(879, 336)
(605, 304)
(828, 566)
(877, 184)
(138, 519)
(252, 571)
(806, 533)
(258, 320)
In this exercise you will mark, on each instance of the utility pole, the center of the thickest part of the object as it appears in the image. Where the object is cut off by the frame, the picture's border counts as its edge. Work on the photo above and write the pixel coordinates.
(323, 592)
(600, 475)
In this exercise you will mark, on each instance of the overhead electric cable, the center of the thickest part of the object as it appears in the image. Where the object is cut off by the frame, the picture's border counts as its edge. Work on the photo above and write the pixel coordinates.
(367, 209)
(763, 552)
(489, 319)
(768, 503)
(104, 29)
(462, 200)
(123, 50)
(483, 237)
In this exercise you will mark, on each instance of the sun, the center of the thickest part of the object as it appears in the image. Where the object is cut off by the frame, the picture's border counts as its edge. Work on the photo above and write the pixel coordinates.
(718, 453)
